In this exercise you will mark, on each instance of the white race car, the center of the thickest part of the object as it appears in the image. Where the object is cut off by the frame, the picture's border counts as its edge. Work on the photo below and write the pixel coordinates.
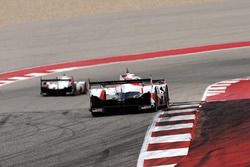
(130, 92)
(62, 85)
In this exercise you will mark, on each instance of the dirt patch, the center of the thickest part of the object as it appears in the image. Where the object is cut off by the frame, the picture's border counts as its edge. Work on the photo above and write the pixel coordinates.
(22, 11)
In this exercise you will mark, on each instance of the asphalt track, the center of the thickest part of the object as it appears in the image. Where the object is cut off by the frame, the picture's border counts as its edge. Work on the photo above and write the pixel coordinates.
(60, 131)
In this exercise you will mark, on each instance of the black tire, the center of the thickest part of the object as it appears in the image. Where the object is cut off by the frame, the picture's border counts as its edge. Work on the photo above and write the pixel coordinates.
(97, 114)
(82, 90)
(155, 109)
(73, 89)
(85, 89)
(166, 98)
(94, 114)
(167, 104)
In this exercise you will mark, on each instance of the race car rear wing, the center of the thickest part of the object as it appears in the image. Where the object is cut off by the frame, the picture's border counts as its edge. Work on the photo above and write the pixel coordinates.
(51, 80)
(143, 81)
(43, 81)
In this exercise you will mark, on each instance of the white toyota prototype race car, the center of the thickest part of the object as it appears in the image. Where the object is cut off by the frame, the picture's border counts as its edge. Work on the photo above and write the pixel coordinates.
(62, 85)
(130, 92)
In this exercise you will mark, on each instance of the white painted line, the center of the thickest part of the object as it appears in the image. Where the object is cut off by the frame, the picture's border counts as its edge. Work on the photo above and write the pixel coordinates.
(222, 84)
(217, 88)
(37, 74)
(170, 138)
(6, 81)
(180, 111)
(212, 94)
(173, 127)
(230, 81)
(170, 165)
(144, 147)
(165, 153)
(216, 91)
(64, 69)
(212, 91)
(19, 78)
(185, 106)
(205, 94)
(141, 60)
(176, 118)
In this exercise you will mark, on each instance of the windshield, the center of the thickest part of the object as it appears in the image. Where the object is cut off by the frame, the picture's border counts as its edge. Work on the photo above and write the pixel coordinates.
(128, 95)
(122, 96)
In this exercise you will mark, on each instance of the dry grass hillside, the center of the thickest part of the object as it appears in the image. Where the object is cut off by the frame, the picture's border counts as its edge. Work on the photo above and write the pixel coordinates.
(22, 11)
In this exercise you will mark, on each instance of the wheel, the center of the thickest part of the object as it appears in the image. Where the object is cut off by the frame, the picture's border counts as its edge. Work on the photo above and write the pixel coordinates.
(74, 91)
(44, 94)
(96, 114)
(85, 88)
(166, 98)
(155, 109)
(167, 104)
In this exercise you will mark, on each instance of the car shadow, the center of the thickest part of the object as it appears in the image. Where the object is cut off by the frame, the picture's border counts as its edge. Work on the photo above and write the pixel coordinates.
(173, 106)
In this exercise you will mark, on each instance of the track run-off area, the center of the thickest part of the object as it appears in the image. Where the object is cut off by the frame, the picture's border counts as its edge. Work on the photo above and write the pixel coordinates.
(222, 133)
(197, 48)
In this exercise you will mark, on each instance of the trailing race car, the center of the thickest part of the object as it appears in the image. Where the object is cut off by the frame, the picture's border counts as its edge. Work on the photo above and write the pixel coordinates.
(62, 85)
(139, 94)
